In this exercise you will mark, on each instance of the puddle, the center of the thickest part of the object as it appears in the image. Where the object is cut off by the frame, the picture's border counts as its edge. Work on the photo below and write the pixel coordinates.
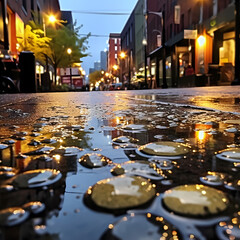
(117, 161)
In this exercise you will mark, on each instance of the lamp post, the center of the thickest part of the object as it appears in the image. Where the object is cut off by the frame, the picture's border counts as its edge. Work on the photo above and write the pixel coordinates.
(122, 55)
(144, 42)
(69, 52)
(162, 16)
(51, 19)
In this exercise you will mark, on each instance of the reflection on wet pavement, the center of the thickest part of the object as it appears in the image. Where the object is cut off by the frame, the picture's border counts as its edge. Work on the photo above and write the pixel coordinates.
(91, 166)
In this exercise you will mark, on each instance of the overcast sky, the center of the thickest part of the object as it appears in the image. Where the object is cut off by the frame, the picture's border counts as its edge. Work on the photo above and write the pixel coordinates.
(98, 24)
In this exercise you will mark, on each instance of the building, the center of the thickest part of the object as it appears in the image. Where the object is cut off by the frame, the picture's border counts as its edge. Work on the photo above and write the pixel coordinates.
(194, 33)
(114, 49)
(97, 66)
(19, 13)
(66, 17)
(128, 47)
(103, 60)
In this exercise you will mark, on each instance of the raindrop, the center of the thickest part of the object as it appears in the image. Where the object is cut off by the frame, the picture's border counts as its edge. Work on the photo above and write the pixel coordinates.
(232, 184)
(231, 130)
(36, 178)
(121, 192)
(40, 229)
(6, 174)
(140, 168)
(34, 143)
(34, 207)
(163, 148)
(6, 188)
(159, 137)
(164, 164)
(229, 230)
(213, 178)
(44, 158)
(195, 200)
(94, 160)
(42, 150)
(49, 140)
(230, 154)
(167, 182)
(12, 216)
(3, 146)
(134, 127)
(124, 139)
(141, 226)
(34, 134)
(161, 127)
(66, 151)
(9, 142)
(39, 125)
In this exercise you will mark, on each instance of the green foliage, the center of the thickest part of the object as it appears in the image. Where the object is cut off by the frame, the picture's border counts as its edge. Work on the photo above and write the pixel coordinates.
(53, 44)
(63, 38)
(94, 77)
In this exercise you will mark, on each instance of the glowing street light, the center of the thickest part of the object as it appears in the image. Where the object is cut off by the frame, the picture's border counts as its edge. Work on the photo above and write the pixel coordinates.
(69, 52)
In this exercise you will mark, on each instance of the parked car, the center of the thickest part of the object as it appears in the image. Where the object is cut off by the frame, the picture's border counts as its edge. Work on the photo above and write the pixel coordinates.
(115, 86)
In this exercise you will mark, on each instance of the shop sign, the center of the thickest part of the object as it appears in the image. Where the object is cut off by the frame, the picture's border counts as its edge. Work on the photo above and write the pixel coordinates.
(190, 34)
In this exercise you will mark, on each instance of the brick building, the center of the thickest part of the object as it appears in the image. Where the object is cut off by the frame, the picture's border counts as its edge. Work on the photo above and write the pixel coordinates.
(203, 36)
(114, 48)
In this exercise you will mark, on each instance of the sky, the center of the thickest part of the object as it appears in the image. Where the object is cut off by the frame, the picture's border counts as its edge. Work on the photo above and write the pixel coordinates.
(98, 24)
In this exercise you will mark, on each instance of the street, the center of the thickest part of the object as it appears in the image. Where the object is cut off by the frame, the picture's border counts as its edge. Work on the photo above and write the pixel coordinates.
(55, 147)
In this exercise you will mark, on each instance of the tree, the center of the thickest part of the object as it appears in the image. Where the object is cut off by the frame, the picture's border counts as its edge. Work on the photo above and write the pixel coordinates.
(62, 39)
(95, 77)
(54, 46)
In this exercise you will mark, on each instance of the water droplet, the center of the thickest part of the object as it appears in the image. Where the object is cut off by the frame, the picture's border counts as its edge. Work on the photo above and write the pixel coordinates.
(195, 200)
(6, 188)
(213, 178)
(42, 150)
(94, 160)
(164, 164)
(169, 149)
(124, 139)
(34, 143)
(139, 168)
(34, 207)
(229, 230)
(44, 158)
(141, 226)
(12, 216)
(36, 178)
(40, 229)
(121, 192)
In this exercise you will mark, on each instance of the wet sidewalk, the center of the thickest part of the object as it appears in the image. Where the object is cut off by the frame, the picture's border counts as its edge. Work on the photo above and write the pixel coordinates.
(99, 165)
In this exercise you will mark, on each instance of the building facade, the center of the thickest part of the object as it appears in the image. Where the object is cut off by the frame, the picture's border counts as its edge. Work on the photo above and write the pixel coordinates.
(128, 47)
(189, 43)
(114, 48)
(196, 34)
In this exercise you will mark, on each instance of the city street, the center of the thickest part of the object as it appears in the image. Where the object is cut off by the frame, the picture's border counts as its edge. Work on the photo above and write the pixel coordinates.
(55, 147)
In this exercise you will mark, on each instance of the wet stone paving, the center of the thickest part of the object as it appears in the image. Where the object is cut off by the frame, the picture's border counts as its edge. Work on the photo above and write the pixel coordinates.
(118, 166)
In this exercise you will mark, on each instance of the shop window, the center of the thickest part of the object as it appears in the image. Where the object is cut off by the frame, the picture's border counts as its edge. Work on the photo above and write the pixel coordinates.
(227, 52)
(184, 61)
(24, 4)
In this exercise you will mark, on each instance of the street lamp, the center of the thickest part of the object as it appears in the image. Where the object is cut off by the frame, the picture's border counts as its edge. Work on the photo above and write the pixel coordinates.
(122, 56)
(144, 42)
(162, 16)
(69, 52)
